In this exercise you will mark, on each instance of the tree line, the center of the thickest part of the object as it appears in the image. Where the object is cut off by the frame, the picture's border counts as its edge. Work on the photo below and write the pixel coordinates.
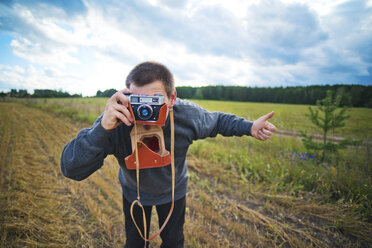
(350, 95)
(45, 93)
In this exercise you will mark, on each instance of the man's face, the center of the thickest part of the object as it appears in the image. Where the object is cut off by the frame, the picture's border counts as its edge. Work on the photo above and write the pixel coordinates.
(156, 87)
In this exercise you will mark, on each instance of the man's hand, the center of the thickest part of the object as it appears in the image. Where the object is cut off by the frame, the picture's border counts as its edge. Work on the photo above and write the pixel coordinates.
(262, 129)
(116, 111)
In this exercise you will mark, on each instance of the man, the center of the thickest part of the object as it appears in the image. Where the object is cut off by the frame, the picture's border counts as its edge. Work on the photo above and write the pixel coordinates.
(110, 134)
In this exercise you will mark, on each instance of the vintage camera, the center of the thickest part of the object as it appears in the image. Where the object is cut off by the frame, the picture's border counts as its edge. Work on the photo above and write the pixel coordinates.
(148, 110)
(150, 113)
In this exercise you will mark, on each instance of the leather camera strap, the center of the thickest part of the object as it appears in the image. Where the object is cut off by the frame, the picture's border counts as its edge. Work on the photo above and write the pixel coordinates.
(138, 202)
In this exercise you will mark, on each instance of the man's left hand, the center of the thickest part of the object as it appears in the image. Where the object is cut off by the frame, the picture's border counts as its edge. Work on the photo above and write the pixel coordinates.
(262, 129)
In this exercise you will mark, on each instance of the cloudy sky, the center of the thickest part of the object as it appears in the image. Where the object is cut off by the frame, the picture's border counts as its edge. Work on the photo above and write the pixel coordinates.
(85, 46)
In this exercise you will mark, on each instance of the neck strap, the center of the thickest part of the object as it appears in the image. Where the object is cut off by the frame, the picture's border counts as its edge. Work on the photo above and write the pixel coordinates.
(138, 202)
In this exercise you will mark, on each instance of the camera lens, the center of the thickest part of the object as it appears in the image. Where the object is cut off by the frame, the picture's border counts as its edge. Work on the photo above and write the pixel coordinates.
(144, 112)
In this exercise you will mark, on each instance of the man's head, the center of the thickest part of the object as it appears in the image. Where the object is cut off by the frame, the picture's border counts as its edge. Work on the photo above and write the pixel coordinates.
(149, 72)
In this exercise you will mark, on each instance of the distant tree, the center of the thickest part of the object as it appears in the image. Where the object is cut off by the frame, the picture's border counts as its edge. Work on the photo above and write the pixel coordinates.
(351, 95)
(369, 103)
(220, 92)
(186, 92)
(345, 96)
(328, 120)
(356, 92)
(106, 93)
(22, 93)
(49, 93)
(199, 94)
(13, 93)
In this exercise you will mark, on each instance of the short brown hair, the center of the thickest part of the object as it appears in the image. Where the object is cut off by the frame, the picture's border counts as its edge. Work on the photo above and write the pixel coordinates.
(148, 72)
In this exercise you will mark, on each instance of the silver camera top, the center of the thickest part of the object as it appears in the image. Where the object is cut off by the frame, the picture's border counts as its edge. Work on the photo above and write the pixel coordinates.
(146, 99)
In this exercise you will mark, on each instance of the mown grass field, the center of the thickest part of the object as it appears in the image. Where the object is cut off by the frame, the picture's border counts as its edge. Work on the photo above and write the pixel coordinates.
(242, 192)
(288, 117)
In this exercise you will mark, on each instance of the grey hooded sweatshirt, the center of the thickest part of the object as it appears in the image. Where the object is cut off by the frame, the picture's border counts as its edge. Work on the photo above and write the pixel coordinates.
(85, 154)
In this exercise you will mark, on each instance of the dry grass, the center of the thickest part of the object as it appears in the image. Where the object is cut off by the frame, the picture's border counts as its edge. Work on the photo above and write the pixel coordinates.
(253, 218)
(41, 208)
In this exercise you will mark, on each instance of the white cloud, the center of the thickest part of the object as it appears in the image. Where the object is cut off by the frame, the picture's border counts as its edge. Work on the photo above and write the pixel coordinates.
(31, 78)
(43, 54)
(257, 43)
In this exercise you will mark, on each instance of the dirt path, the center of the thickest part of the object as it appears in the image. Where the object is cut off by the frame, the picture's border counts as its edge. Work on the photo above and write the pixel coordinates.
(316, 137)
(41, 208)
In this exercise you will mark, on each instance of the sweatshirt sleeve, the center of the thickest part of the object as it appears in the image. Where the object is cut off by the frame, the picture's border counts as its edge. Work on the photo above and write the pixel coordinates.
(85, 154)
(214, 123)
(209, 124)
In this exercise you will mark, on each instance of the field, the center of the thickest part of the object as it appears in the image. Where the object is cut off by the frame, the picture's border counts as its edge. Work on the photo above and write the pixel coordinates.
(242, 192)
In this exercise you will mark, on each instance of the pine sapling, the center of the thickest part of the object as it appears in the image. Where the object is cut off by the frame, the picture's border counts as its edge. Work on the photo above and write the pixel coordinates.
(327, 118)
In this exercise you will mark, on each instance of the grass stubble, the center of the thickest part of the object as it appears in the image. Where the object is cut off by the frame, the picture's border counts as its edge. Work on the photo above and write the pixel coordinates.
(41, 208)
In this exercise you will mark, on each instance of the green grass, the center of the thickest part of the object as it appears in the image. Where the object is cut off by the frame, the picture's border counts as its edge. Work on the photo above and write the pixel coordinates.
(274, 166)
(292, 117)
(79, 109)
(287, 116)
(271, 164)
